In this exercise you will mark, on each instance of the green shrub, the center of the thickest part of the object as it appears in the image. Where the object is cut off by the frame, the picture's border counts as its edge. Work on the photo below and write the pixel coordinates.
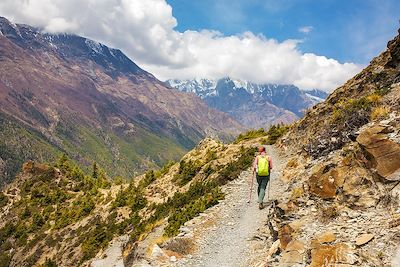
(186, 172)
(382, 90)
(119, 180)
(189, 201)
(49, 263)
(37, 222)
(77, 174)
(3, 200)
(208, 171)
(210, 155)
(149, 177)
(165, 169)
(233, 169)
(26, 213)
(347, 109)
(7, 231)
(132, 197)
(5, 259)
(251, 134)
(97, 237)
(120, 199)
(191, 210)
(275, 132)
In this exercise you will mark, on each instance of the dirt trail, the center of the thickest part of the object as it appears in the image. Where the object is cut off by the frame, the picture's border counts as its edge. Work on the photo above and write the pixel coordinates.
(228, 242)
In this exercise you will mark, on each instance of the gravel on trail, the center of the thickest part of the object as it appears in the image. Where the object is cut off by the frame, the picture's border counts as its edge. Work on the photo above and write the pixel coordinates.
(228, 241)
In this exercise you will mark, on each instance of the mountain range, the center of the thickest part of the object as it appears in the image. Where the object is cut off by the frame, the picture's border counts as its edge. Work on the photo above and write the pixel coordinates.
(335, 187)
(253, 105)
(62, 93)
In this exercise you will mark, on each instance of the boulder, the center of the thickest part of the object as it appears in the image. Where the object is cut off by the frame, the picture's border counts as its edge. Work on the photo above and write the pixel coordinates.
(364, 239)
(291, 257)
(324, 182)
(274, 248)
(330, 255)
(285, 236)
(157, 253)
(326, 237)
(384, 153)
(295, 245)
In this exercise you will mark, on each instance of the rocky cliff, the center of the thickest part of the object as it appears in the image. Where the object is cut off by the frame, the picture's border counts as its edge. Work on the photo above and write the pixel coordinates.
(341, 205)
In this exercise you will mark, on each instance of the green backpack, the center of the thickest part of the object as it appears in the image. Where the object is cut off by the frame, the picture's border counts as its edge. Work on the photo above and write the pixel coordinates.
(263, 166)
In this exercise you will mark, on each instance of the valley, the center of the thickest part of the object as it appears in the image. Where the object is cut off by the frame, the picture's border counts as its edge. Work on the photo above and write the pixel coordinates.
(102, 164)
(67, 94)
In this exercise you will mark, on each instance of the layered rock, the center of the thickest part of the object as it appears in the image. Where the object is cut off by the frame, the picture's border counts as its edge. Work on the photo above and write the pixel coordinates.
(384, 153)
(342, 182)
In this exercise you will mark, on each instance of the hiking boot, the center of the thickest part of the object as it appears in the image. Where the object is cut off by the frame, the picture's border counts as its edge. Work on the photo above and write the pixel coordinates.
(261, 206)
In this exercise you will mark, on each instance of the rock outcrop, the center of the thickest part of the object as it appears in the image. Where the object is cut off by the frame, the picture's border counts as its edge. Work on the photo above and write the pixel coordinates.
(384, 153)
(342, 197)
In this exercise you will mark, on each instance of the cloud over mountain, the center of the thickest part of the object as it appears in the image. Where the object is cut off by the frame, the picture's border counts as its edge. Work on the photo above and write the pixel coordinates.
(145, 30)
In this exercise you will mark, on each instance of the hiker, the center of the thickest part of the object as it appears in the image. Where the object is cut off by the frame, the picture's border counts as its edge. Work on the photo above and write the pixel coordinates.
(262, 168)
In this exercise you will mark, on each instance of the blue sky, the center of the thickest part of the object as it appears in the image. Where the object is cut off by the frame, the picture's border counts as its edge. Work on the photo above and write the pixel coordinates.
(349, 31)
(308, 43)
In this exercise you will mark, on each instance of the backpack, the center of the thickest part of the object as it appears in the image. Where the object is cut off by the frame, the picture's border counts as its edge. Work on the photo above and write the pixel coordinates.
(263, 166)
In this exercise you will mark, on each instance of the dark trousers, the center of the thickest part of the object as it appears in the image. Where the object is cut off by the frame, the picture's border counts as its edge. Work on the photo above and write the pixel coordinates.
(262, 184)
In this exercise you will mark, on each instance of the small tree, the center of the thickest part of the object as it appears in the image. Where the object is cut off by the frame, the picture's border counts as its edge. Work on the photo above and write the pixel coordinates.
(95, 171)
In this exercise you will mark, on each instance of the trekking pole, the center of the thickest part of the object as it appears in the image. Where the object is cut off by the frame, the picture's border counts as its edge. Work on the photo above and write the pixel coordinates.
(251, 187)
(269, 187)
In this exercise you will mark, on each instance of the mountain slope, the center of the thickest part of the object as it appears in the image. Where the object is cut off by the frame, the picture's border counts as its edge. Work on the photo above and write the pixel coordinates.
(60, 214)
(254, 105)
(80, 97)
(340, 205)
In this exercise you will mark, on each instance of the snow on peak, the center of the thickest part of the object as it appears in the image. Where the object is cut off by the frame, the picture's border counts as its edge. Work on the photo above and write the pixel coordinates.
(95, 46)
(201, 87)
(207, 87)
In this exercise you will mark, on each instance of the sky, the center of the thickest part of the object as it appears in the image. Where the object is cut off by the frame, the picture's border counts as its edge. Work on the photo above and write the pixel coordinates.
(309, 43)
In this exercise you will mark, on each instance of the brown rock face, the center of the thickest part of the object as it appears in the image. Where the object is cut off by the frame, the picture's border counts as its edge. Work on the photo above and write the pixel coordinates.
(326, 237)
(324, 183)
(285, 236)
(326, 255)
(290, 258)
(385, 153)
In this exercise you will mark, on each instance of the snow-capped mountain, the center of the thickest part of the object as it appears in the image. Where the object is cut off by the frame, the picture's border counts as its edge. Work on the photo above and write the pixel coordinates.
(66, 93)
(244, 100)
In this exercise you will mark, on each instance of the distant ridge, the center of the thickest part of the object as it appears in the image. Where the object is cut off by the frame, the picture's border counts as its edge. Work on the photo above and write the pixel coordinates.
(246, 100)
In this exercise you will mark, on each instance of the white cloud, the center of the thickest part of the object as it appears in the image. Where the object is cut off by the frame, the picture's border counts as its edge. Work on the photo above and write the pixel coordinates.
(306, 29)
(145, 31)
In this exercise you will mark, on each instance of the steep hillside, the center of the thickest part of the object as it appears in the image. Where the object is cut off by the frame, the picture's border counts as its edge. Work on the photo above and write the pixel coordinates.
(254, 105)
(60, 215)
(68, 93)
(341, 205)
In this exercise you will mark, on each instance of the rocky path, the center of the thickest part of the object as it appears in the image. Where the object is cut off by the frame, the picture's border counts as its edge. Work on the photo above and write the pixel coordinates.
(228, 240)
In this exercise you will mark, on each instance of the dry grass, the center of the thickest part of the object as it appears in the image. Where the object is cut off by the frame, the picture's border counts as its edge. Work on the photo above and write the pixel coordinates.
(292, 163)
(182, 246)
(374, 98)
(380, 113)
(297, 193)
(329, 213)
